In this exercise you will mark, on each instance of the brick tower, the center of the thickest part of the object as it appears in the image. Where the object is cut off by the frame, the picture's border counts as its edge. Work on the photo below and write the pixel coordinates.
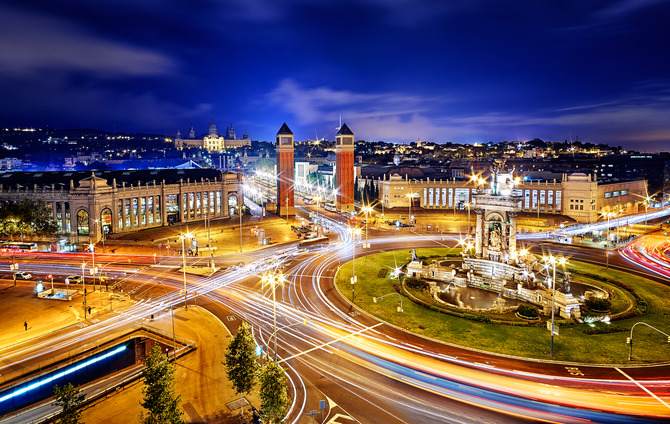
(284, 148)
(344, 169)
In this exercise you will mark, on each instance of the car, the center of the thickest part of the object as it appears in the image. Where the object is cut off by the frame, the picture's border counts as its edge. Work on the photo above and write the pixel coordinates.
(21, 275)
(73, 279)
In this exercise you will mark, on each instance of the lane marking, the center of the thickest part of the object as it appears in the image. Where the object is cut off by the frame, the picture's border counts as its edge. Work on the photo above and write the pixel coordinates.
(643, 388)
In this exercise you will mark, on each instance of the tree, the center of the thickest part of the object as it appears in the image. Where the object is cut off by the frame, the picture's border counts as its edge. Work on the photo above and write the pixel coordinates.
(273, 392)
(160, 398)
(241, 365)
(69, 398)
(27, 217)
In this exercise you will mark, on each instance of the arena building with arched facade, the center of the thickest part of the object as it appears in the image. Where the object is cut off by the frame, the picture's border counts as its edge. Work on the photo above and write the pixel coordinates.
(89, 204)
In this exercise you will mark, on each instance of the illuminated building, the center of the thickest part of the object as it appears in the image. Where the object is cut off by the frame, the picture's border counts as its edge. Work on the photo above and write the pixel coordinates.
(285, 169)
(344, 169)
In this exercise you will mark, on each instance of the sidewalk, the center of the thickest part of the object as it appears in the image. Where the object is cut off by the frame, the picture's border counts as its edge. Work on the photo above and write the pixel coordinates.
(200, 377)
(44, 316)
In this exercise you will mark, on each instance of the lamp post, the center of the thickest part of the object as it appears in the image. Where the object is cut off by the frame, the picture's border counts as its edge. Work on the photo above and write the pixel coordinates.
(209, 240)
(183, 257)
(102, 236)
(410, 196)
(239, 209)
(274, 279)
(83, 282)
(354, 232)
(552, 260)
(468, 204)
(367, 210)
(92, 247)
(647, 201)
(607, 242)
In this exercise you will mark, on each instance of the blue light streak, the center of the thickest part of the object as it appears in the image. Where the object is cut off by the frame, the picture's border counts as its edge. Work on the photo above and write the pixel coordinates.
(61, 374)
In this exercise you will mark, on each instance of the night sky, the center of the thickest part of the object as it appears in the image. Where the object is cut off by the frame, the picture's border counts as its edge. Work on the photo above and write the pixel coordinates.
(452, 70)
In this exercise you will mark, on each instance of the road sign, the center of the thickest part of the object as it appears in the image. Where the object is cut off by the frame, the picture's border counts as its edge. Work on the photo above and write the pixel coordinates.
(555, 327)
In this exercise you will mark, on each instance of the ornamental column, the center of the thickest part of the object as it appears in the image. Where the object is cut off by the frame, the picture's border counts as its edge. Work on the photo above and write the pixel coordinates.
(344, 169)
(285, 167)
(478, 231)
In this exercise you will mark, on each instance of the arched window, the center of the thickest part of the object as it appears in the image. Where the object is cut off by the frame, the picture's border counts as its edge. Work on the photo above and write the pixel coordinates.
(232, 204)
(83, 226)
(106, 220)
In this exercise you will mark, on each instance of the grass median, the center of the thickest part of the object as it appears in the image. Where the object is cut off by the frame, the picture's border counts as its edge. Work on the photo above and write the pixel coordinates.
(375, 279)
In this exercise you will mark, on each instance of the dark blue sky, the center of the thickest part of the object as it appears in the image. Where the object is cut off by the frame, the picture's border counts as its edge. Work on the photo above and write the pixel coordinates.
(445, 70)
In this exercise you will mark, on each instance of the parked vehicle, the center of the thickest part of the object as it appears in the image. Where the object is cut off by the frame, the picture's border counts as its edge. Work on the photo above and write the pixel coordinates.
(21, 275)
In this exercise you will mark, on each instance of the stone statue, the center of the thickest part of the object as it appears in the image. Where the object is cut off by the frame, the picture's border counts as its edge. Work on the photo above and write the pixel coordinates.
(414, 257)
(495, 239)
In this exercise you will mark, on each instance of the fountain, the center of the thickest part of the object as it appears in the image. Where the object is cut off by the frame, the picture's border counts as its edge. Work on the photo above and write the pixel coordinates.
(496, 275)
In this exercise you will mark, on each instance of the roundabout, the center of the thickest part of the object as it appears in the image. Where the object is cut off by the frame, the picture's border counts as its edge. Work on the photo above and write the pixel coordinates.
(597, 337)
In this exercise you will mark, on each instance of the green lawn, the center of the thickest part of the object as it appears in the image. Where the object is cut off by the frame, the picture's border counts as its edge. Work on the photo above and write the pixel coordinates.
(534, 342)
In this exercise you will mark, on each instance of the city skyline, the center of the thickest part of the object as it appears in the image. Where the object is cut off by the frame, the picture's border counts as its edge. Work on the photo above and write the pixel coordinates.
(458, 72)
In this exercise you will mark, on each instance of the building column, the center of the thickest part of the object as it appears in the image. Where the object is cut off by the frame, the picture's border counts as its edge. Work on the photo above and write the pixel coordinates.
(180, 202)
(123, 214)
(478, 231)
(132, 212)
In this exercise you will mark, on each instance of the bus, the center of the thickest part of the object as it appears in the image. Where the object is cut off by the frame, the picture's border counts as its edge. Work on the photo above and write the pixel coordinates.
(18, 246)
(316, 241)
(330, 207)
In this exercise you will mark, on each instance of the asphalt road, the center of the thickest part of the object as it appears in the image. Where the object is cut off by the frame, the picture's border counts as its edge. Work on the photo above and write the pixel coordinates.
(366, 372)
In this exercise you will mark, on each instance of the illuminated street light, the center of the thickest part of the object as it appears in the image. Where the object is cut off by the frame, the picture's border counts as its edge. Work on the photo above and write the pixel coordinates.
(92, 248)
(647, 202)
(354, 232)
(183, 256)
(83, 282)
(607, 244)
(410, 196)
(367, 210)
(552, 260)
(274, 279)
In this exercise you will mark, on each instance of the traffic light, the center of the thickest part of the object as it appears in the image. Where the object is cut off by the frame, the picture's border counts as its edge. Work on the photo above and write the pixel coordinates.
(627, 340)
(668, 339)
(50, 276)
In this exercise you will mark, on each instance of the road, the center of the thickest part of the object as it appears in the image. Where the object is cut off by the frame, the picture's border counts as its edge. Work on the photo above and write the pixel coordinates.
(365, 370)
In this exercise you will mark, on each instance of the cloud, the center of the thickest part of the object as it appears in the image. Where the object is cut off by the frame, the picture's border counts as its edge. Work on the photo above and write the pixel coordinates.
(314, 105)
(403, 117)
(34, 42)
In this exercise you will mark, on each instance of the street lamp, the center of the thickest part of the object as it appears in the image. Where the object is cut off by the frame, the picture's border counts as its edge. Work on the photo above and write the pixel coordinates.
(553, 260)
(410, 196)
(83, 282)
(647, 202)
(239, 209)
(102, 235)
(354, 232)
(274, 279)
(367, 210)
(607, 243)
(92, 248)
(183, 257)
(209, 239)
